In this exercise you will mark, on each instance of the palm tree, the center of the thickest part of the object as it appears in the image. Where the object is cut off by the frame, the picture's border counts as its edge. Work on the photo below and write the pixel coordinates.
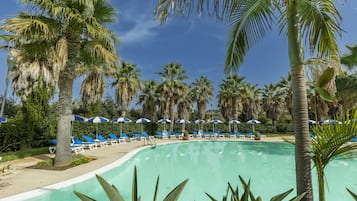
(185, 102)
(229, 97)
(148, 99)
(127, 85)
(74, 33)
(330, 142)
(203, 90)
(317, 21)
(350, 60)
(172, 86)
(92, 90)
(285, 86)
(272, 102)
(251, 101)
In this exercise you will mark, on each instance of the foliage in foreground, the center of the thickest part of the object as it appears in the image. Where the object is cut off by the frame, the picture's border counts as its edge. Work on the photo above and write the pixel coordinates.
(114, 195)
(249, 196)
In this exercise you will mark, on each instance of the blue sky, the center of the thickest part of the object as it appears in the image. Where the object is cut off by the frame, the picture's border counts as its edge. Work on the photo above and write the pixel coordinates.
(198, 43)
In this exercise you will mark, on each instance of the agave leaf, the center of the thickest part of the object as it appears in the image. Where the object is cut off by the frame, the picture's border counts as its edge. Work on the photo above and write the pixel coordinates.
(235, 193)
(324, 94)
(299, 197)
(246, 187)
(176, 192)
(156, 188)
(83, 197)
(112, 192)
(281, 196)
(210, 197)
(135, 186)
(352, 194)
(325, 77)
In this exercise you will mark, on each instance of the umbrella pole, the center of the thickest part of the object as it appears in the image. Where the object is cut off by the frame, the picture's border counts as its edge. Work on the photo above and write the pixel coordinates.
(253, 128)
(121, 128)
(96, 131)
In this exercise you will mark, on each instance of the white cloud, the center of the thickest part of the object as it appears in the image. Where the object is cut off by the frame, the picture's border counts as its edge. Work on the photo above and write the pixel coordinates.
(143, 29)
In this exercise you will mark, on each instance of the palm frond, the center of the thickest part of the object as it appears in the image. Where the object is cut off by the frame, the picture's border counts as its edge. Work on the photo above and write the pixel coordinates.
(252, 21)
(320, 21)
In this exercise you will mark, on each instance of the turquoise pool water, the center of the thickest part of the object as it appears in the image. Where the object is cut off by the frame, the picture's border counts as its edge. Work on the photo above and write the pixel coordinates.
(209, 166)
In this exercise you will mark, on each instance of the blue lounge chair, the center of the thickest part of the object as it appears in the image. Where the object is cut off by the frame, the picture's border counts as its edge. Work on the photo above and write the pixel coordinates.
(212, 134)
(109, 140)
(137, 135)
(239, 134)
(98, 142)
(88, 145)
(231, 134)
(146, 135)
(127, 138)
(113, 136)
(250, 134)
(195, 134)
(220, 133)
(159, 135)
(170, 135)
(74, 148)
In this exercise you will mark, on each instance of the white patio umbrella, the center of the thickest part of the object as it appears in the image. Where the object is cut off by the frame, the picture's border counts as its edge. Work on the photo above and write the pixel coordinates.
(96, 120)
(121, 120)
(142, 121)
(330, 121)
(253, 121)
(164, 121)
(78, 118)
(183, 122)
(3, 120)
(215, 121)
(310, 121)
(200, 122)
(234, 122)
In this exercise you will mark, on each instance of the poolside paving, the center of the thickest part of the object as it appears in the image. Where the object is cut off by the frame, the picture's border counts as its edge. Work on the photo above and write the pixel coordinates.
(26, 179)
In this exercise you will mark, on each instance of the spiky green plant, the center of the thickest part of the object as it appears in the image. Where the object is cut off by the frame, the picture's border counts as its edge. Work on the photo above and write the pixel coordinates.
(332, 141)
(249, 196)
(114, 194)
(352, 194)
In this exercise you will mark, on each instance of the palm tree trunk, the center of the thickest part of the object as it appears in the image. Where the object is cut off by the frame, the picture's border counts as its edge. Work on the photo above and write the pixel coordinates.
(64, 112)
(321, 180)
(300, 107)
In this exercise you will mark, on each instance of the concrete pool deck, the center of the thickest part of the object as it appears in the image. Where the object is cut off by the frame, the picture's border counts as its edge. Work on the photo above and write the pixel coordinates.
(26, 179)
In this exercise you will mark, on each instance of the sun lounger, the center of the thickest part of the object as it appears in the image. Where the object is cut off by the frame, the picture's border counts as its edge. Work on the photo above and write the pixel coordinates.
(88, 145)
(146, 135)
(74, 148)
(113, 136)
(100, 143)
(231, 134)
(127, 138)
(196, 134)
(108, 140)
(239, 134)
(250, 134)
(220, 134)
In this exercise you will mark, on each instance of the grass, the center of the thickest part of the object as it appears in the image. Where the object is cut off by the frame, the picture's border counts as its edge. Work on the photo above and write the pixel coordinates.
(76, 160)
(8, 156)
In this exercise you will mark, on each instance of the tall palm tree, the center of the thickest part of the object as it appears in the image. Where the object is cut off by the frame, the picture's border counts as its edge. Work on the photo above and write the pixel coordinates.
(229, 97)
(285, 86)
(73, 32)
(127, 85)
(147, 98)
(203, 90)
(251, 101)
(92, 90)
(272, 102)
(172, 86)
(318, 21)
(185, 102)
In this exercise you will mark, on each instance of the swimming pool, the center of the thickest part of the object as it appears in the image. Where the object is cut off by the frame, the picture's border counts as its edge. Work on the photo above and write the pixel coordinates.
(209, 165)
